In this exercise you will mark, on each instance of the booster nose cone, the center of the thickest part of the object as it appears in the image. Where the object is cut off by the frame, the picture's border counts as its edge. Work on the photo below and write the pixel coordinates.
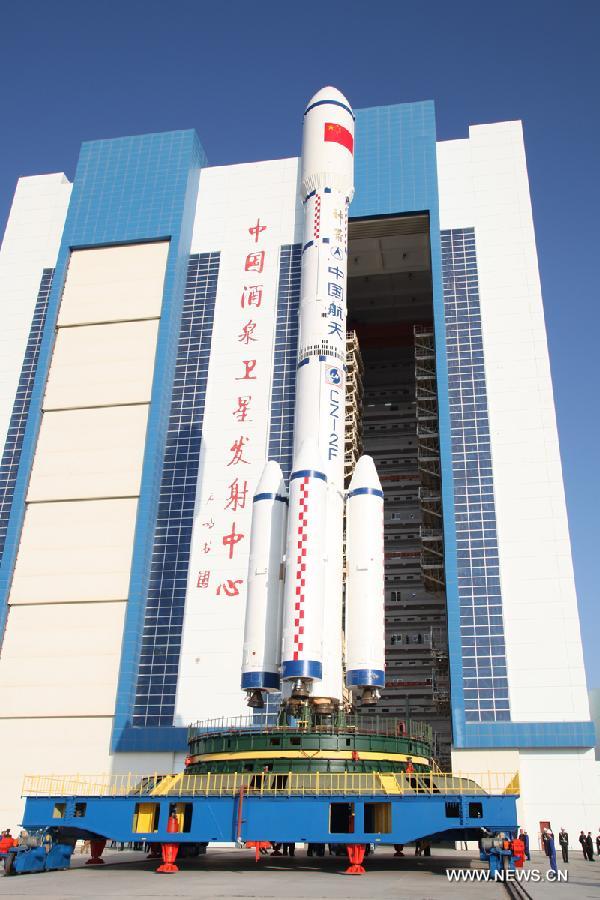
(365, 475)
(271, 481)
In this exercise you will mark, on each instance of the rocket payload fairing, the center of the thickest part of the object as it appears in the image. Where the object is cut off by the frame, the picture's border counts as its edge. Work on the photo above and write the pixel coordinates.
(307, 651)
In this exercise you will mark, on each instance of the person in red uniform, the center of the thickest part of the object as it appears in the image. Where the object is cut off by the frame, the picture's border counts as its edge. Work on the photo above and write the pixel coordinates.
(518, 847)
(7, 841)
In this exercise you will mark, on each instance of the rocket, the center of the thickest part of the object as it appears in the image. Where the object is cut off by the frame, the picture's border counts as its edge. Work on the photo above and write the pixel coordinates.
(365, 586)
(310, 642)
(262, 629)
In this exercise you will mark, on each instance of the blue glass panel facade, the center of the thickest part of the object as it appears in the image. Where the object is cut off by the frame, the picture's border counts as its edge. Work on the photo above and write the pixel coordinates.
(485, 681)
(18, 420)
(161, 640)
(395, 167)
(283, 394)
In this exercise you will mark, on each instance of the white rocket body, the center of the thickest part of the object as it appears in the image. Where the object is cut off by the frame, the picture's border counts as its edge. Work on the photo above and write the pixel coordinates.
(262, 629)
(327, 187)
(304, 592)
(298, 632)
(365, 595)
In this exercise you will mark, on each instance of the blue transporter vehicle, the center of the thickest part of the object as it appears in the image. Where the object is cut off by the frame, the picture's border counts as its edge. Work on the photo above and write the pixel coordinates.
(350, 780)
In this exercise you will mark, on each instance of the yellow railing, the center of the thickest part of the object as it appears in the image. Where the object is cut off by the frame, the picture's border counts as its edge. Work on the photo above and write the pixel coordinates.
(280, 785)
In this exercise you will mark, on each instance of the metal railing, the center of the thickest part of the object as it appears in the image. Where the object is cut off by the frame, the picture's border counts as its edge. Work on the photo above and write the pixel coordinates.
(226, 784)
(269, 723)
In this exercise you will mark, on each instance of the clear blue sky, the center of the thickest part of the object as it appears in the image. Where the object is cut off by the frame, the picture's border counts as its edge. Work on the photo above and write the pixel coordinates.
(240, 74)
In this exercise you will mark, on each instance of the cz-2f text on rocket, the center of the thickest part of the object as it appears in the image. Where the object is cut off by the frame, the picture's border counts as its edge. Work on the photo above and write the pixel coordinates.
(294, 634)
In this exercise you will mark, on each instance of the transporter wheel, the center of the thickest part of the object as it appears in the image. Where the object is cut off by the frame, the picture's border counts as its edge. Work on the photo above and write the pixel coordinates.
(189, 850)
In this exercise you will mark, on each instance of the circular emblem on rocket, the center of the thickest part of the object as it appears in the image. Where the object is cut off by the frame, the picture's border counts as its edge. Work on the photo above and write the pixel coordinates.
(333, 375)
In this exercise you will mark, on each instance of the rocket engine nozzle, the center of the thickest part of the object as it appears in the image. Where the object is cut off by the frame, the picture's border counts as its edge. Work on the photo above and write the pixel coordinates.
(369, 696)
(256, 700)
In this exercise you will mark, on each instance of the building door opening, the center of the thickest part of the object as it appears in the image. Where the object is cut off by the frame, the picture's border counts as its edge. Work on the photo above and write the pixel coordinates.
(393, 407)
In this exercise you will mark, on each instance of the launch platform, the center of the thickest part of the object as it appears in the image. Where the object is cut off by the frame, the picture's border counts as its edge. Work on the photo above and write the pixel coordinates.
(334, 743)
(345, 781)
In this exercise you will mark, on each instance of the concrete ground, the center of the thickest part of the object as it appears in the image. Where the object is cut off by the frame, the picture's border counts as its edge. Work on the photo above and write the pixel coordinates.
(234, 874)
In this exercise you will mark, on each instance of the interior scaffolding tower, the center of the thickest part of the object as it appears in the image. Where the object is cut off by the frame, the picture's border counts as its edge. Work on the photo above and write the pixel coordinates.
(354, 401)
(416, 626)
(430, 494)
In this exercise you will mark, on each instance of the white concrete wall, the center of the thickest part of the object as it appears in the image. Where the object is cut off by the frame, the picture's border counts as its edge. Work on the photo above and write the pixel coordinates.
(30, 244)
(75, 552)
(594, 698)
(231, 200)
(114, 284)
(61, 653)
(61, 660)
(483, 184)
(101, 456)
(102, 365)
(559, 786)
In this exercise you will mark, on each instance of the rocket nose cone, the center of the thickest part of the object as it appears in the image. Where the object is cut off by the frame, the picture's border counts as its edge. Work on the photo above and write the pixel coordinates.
(308, 457)
(365, 475)
(271, 479)
(328, 93)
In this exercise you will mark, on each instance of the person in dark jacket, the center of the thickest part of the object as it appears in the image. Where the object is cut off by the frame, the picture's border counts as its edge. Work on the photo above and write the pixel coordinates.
(563, 840)
(545, 841)
(598, 844)
(583, 842)
(590, 846)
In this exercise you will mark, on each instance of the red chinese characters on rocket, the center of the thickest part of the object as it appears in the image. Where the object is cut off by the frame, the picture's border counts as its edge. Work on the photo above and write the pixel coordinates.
(240, 413)
(203, 579)
(231, 539)
(237, 451)
(256, 230)
(230, 587)
(255, 261)
(246, 335)
(249, 367)
(252, 295)
(238, 492)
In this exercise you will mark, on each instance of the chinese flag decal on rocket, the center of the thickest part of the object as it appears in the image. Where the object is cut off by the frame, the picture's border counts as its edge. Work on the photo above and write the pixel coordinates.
(339, 135)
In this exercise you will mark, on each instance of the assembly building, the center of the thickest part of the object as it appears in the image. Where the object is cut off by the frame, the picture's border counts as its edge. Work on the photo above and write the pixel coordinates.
(148, 368)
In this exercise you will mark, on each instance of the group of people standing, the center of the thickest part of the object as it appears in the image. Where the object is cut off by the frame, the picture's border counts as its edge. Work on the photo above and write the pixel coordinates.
(587, 845)
(549, 845)
(586, 841)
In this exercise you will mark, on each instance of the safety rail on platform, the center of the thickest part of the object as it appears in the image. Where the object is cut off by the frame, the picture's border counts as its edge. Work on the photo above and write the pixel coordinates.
(222, 784)
(269, 722)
